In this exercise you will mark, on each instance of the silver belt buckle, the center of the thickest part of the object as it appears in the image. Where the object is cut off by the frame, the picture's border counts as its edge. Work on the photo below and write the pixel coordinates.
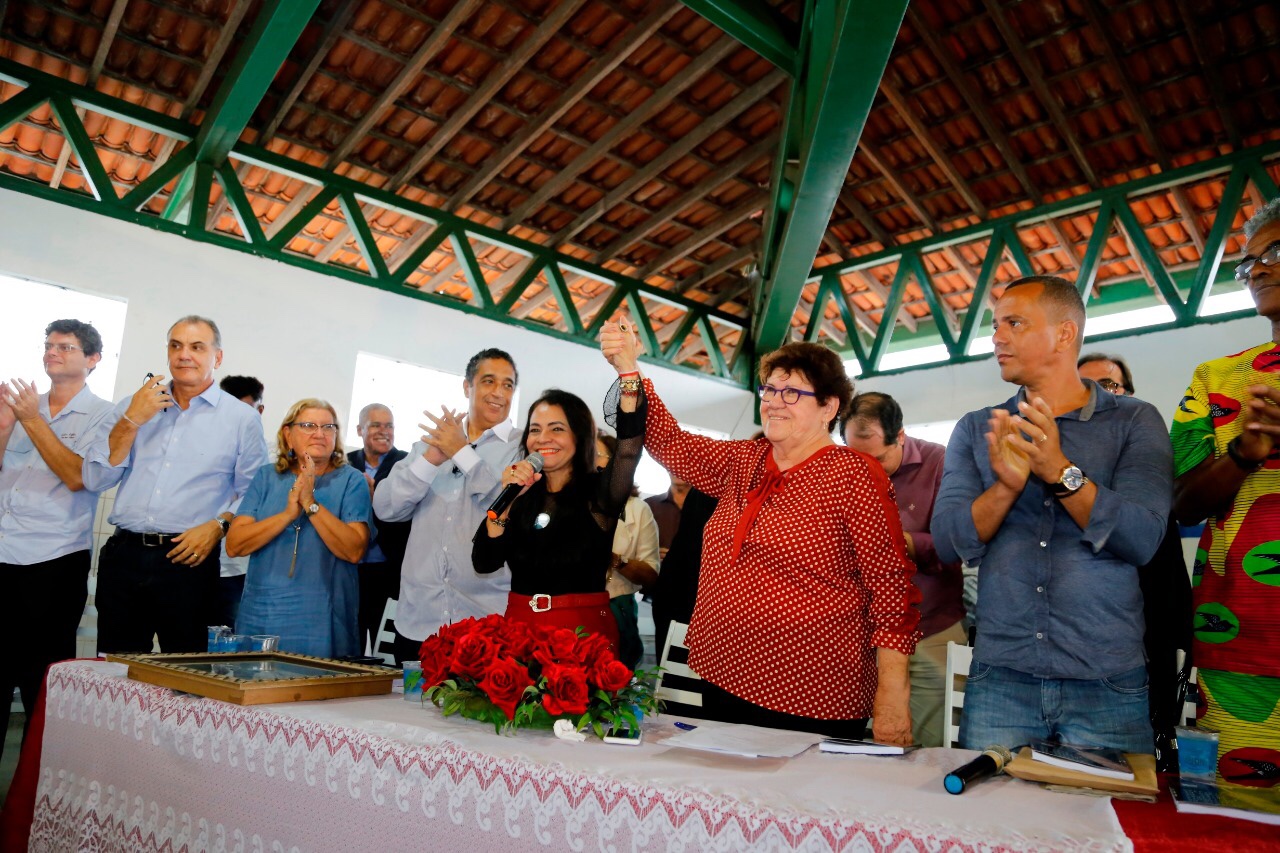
(152, 540)
(533, 603)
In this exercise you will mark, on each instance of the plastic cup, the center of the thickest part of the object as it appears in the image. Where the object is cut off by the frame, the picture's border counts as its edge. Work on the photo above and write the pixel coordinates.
(240, 643)
(216, 633)
(266, 642)
(413, 681)
(1197, 752)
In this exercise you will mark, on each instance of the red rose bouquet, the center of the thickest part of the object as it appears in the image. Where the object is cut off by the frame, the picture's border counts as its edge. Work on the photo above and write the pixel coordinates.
(517, 675)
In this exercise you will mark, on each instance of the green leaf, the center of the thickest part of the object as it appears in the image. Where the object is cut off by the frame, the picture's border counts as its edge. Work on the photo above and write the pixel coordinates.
(599, 729)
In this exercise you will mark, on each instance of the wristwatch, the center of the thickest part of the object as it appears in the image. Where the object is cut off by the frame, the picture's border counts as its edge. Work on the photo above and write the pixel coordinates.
(224, 524)
(1070, 481)
(313, 509)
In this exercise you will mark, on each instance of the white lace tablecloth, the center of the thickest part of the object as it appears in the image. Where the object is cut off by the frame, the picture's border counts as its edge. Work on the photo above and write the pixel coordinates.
(129, 766)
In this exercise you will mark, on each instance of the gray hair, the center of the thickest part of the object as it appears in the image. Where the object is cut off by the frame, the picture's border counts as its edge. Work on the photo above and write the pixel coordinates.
(196, 318)
(1268, 214)
(367, 410)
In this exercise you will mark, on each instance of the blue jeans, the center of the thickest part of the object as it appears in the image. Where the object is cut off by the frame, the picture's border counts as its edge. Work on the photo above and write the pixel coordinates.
(1008, 707)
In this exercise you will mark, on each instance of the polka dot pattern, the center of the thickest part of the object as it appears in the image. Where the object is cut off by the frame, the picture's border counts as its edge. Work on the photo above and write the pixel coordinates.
(822, 579)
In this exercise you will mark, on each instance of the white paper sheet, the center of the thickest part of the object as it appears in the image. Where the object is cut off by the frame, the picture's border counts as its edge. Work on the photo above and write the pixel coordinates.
(749, 741)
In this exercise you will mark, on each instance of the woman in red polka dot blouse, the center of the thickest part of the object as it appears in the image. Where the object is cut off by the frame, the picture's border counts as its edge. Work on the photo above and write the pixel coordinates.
(805, 615)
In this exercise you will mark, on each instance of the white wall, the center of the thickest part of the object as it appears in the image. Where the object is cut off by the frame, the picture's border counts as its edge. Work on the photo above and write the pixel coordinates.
(296, 330)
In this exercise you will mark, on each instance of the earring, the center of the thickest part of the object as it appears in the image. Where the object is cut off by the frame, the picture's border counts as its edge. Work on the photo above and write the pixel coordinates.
(291, 453)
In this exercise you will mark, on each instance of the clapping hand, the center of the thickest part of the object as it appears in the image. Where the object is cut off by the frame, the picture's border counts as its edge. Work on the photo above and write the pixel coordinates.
(445, 433)
(1008, 461)
(1035, 435)
(8, 417)
(23, 399)
(1261, 423)
(306, 484)
(620, 345)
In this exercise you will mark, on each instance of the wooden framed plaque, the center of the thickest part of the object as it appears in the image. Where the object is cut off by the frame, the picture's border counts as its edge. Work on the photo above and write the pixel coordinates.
(258, 678)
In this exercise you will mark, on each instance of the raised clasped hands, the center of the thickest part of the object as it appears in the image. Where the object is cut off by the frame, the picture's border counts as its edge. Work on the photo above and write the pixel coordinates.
(152, 397)
(1261, 422)
(620, 345)
(1008, 462)
(305, 495)
(8, 417)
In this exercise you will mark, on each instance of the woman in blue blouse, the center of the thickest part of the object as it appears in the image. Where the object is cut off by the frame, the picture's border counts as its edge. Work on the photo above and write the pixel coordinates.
(306, 522)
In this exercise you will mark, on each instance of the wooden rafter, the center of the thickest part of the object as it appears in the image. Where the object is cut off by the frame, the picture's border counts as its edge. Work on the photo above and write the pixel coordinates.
(498, 161)
(499, 76)
(697, 193)
(1032, 74)
(659, 99)
(458, 14)
(718, 267)
(682, 147)
(1209, 73)
(745, 209)
(95, 70)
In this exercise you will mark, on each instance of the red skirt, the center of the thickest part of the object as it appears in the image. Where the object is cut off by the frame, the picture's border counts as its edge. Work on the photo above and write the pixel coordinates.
(588, 610)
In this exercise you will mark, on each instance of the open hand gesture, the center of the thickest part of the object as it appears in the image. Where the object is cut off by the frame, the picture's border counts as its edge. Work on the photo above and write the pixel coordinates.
(8, 417)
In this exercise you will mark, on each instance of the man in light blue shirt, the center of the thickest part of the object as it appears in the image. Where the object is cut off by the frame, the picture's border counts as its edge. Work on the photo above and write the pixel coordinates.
(1057, 495)
(183, 454)
(445, 485)
(46, 513)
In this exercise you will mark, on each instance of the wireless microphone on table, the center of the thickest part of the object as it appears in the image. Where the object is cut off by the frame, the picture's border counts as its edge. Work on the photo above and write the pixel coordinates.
(991, 762)
(507, 495)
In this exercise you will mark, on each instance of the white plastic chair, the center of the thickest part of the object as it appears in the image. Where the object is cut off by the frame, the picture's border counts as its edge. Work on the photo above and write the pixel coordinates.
(675, 639)
(87, 630)
(384, 645)
(958, 659)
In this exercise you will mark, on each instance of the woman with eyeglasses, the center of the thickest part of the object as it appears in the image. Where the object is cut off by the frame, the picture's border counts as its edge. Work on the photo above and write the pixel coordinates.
(305, 521)
(805, 614)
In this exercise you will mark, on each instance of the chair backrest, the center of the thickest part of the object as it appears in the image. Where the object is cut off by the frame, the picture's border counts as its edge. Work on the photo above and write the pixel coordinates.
(384, 645)
(677, 683)
(958, 659)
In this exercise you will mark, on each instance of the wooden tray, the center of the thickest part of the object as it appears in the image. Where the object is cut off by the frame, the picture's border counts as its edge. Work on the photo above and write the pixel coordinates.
(258, 678)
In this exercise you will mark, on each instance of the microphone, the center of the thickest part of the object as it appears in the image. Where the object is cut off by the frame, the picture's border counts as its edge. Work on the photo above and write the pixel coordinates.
(507, 495)
(990, 763)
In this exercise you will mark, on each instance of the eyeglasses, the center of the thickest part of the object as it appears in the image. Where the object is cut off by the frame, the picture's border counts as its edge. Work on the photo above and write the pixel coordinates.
(307, 427)
(790, 395)
(1269, 256)
(1110, 385)
(62, 348)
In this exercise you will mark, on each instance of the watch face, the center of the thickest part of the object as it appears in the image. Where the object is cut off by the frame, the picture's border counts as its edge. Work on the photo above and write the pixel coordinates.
(313, 509)
(1072, 478)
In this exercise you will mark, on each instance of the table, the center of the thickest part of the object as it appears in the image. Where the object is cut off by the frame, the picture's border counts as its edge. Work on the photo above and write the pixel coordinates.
(126, 765)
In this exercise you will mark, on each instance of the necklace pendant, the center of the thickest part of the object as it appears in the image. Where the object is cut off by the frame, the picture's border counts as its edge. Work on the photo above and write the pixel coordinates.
(541, 521)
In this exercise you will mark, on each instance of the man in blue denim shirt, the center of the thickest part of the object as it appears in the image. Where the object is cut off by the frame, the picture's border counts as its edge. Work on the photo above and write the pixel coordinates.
(1057, 495)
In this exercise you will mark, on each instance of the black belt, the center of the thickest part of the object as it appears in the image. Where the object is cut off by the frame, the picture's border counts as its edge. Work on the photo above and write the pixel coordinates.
(147, 540)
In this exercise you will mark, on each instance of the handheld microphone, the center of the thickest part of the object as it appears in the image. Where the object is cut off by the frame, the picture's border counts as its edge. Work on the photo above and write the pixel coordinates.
(507, 495)
(990, 763)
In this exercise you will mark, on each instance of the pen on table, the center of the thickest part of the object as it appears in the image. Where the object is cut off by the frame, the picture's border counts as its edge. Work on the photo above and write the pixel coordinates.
(688, 727)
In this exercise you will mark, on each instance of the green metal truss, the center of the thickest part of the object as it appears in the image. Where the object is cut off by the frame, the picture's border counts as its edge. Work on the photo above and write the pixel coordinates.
(843, 50)
(998, 241)
(713, 327)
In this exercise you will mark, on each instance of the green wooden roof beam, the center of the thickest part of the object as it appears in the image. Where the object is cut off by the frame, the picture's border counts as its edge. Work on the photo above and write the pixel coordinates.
(757, 25)
(275, 31)
(830, 99)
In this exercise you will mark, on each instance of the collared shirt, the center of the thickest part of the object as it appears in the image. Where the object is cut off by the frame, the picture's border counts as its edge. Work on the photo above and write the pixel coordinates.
(635, 538)
(40, 518)
(438, 583)
(915, 485)
(1055, 601)
(374, 554)
(185, 466)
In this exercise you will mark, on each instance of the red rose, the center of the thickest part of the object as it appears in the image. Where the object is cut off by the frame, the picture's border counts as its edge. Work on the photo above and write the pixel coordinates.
(472, 655)
(559, 646)
(611, 675)
(491, 626)
(435, 655)
(504, 683)
(566, 690)
(518, 639)
(593, 650)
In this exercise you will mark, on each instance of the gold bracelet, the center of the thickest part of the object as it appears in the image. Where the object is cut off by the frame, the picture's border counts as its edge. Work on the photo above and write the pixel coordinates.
(501, 522)
(629, 386)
